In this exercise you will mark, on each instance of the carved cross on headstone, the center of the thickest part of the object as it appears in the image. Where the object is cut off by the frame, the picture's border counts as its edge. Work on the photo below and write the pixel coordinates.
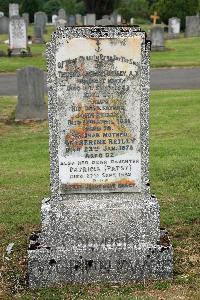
(155, 17)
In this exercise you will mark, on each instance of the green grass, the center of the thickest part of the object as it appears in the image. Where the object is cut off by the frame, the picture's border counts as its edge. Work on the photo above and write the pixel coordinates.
(180, 52)
(175, 178)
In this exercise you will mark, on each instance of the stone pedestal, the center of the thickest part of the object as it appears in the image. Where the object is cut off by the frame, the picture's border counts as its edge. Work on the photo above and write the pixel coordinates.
(101, 222)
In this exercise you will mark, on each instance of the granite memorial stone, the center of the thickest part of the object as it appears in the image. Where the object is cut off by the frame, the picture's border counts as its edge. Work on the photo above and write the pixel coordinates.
(26, 18)
(31, 105)
(71, 20)
(40, 19)
(4, 25)
(101, 222)
(91, 19)
(38, 37)
(192, 26)
(174, 28)
(157, 38)
(13, 9)
(62, 14)
(17, 36)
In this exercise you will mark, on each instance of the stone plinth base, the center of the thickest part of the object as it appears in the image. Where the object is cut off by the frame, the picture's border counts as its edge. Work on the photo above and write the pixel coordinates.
(48, 266)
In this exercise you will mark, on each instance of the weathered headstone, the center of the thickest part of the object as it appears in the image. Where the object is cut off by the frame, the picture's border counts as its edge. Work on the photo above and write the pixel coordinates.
(119, 19)
(132, 21)
(192, 26)
(62, 14)
(17, 36)
(38, 37)
(4, 25)
(113, 18)
(13, 9)
(26, 18)
(79, 19)
(84, 20)
(71, 20)
(54, 19)
(40, 19)
(101, 222)
(1, 14)
(174, 28)
(91, 19)
(104, 22)
(61, 23)
(157, 38)
(31, 105)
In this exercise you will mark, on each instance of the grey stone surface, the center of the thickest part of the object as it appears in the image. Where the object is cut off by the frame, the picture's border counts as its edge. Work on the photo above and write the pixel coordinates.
(31, 105)
(40, 20)
(90, 19)
(98, 229)
(54, 19)
(4, 25)
(1, 14)
(17, 36)
(38, 35)
(71, 20)
(26, 18)
(62, 14)
(79, 20)
(174, 26)
(104, 22)
(192, 26)
(157, 38)
(61, 23)
(13, 9)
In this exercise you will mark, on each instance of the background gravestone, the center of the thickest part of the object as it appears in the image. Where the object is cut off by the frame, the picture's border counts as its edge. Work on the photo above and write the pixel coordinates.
(61, 23)
(1, 14)
(4, 25)
(40, 19)
(26, 18)
(38, 35)
(17, 36)
(104, 22)
(132, 21)
(31, 105)
(192, 26)
(174, 28)
(71, 20)
(54, 19)
(90, 19)
(62, 14)
(79, 20)
(101, 222)
(157, 38)
(13, 9)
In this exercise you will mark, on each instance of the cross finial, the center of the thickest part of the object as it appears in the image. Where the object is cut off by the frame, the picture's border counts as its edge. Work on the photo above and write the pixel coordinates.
(155, 17)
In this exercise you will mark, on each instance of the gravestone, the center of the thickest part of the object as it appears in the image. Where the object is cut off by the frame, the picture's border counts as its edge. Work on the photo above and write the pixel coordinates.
(71, 20)
(38, 35)
(62, 14)
(174, 28)
(17, 36)
(119, 19)
(26, 18)
(101, 222)
(54, 19)
(104, 22)
(157, 38)
(192, 26)
(4, 25)
(113, 18)
(79, 20)
(31, 105)
(84, 20)
(91, 19)
(1, 14)
(40, 19)
(61, 23)
(132, 21)
(13, 9)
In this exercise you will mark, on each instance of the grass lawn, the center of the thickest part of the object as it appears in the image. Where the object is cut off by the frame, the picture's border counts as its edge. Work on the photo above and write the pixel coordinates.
(175, 178)
(179, 52)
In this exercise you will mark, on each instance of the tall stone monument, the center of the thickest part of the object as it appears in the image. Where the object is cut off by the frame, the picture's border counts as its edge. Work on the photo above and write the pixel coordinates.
(174, 28)
(13, 10)
(91, 19)
(192, 26)
(62, 14)
(40, 19)
(31, 105)
(101, 222)
(157, 38)
(18, 36)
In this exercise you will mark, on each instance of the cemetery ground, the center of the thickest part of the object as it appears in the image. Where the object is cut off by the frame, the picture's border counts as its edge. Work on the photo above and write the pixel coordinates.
(174, 170)
(179, 52)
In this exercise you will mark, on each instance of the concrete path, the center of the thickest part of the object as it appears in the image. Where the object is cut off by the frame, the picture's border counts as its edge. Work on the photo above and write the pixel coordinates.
(161, 79)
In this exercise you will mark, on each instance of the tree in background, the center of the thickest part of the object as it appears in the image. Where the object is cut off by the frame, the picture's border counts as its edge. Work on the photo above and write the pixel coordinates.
(73, 7)
(51, 7)
(101, 7)
(134, 8)
(4, 5)
(31, 7)
(177, 8)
